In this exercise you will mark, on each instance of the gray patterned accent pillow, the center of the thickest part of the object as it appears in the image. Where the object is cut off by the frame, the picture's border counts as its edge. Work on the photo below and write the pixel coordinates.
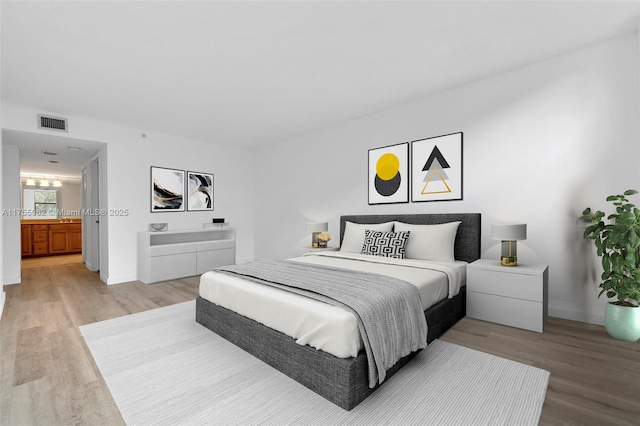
(387, 244)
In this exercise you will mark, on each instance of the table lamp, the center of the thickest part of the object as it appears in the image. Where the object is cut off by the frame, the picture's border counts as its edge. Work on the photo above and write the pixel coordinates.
(509, 234)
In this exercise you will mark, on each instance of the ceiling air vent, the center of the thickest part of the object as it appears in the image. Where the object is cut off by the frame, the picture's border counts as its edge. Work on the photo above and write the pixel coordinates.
(52, 123)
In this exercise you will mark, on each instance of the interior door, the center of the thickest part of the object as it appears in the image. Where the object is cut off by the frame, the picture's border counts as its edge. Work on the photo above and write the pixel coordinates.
(91, 216)
(95, 219)
(85, 207)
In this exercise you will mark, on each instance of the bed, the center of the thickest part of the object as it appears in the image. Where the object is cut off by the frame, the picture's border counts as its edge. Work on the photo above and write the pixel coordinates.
(343, 380)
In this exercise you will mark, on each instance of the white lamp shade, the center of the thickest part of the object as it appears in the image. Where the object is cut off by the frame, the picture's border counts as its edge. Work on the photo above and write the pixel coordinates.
(317, 227)
(509, 232)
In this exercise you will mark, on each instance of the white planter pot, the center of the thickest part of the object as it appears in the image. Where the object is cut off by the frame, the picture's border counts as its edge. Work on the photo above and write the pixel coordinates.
(622, 322)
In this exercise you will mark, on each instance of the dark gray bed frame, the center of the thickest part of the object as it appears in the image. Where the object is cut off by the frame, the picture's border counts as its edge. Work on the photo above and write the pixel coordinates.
(343, 381)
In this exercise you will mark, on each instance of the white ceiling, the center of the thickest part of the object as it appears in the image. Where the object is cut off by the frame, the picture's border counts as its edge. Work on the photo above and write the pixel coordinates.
(51, 156)
(255, 73)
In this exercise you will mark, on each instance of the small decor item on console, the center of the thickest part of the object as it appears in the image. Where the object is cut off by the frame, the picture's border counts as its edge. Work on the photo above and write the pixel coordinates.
(157, 227)
(216, 223)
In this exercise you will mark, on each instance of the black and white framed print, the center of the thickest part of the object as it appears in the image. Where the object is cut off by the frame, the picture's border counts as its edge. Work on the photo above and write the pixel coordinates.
(389, 174)
(199, 191)
(436, 168)
(167, 190)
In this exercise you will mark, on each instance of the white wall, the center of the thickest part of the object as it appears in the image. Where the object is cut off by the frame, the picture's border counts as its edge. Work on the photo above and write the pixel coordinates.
(540, 144)
(125, 164)
(3, 295)
(11, 219)
(70, 196)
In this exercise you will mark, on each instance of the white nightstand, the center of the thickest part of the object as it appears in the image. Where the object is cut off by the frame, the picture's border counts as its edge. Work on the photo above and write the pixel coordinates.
(511, 295)
(315, 250)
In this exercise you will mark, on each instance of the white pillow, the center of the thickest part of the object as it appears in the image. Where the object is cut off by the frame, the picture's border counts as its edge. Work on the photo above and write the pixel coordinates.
(353, 239)
(430, 242)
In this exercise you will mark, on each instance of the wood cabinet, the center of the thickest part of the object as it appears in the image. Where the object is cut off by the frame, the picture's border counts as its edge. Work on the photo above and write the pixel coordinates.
(58, 240)
(27, 242)
(40, 239)
(75, 239)
(43, 239)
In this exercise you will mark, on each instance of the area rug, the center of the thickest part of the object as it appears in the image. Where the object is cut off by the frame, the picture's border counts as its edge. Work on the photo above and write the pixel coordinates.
(163, 368)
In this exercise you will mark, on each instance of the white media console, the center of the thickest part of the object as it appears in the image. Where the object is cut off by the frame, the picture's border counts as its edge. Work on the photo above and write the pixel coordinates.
(169, 255)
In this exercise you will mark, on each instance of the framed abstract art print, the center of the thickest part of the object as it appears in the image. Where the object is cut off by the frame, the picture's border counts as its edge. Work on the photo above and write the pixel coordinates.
(199, 191)
(436, 168)
(389, 174)
(167, 190)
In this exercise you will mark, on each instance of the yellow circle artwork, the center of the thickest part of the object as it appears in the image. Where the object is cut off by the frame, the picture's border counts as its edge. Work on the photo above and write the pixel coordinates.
(387, 166)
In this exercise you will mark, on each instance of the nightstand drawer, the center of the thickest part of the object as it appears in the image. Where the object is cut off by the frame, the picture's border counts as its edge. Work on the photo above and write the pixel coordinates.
(507, 284)
(503, 310)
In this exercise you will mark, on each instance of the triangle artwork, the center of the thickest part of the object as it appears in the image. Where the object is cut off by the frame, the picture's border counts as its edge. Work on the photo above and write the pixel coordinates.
(435, 180)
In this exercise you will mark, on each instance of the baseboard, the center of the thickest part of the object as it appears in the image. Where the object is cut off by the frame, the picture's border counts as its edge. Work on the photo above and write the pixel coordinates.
(90, 267)
(12, 280)
(118, 280)
(574, 315)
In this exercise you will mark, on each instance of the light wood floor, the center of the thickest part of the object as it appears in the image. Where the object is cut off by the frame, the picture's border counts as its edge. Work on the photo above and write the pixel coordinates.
(38, 262)
(48, 376)
(595, 380)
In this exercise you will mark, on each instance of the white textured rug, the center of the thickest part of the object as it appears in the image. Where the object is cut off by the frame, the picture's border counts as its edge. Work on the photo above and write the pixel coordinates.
(163, 368)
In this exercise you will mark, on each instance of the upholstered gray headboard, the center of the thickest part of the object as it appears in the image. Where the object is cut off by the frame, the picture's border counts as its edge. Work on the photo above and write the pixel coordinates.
(467, 244)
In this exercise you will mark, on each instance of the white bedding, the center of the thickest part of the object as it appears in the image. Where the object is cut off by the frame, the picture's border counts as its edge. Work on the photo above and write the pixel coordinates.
(317, 324)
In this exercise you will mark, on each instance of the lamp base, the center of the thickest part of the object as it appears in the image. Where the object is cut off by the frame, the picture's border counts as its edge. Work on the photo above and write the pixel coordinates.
(508, 261)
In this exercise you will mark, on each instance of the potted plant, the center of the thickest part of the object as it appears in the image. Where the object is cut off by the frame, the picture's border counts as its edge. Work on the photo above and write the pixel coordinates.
(618, 244)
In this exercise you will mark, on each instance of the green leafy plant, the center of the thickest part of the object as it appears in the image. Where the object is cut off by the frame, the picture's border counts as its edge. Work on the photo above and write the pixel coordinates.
(618, 244)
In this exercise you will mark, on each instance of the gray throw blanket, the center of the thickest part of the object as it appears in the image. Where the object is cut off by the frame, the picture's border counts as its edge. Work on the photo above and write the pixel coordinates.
(388, 310)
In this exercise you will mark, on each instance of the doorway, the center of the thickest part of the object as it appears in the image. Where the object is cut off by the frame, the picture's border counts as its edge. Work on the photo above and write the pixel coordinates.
(59, 159)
